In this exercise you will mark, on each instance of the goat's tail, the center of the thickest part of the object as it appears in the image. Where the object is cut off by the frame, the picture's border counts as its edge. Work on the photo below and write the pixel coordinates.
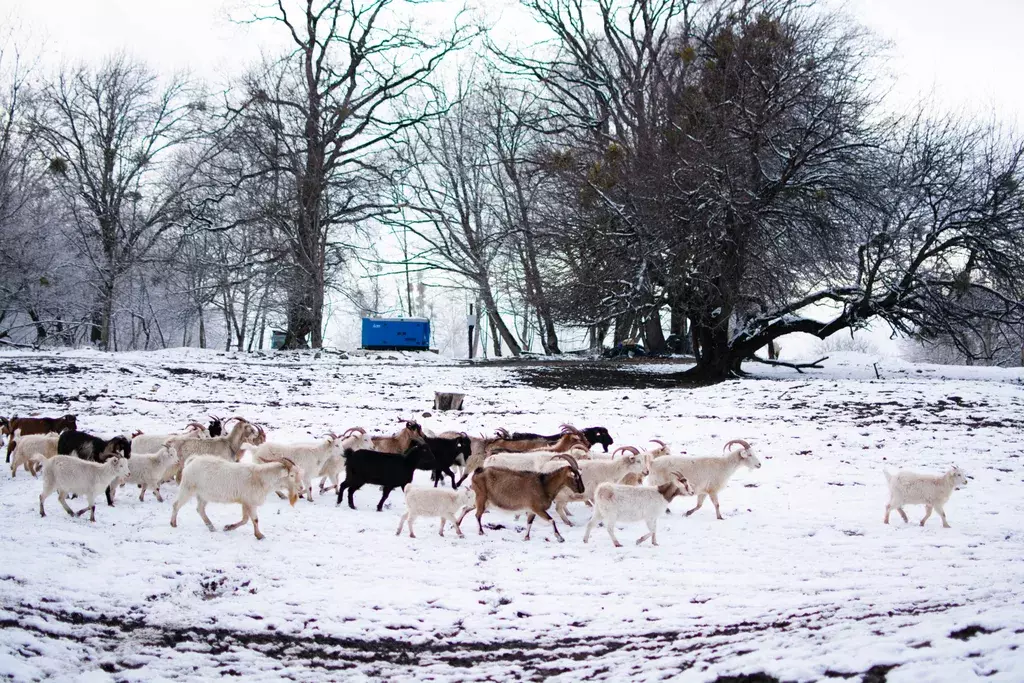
(888, 477)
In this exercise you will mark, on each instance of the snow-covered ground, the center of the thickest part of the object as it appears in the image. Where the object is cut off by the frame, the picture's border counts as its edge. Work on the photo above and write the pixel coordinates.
(801, 581)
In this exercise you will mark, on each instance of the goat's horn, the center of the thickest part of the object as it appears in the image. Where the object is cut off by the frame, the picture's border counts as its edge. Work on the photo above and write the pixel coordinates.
(502, 433)
(739, 441)
(288, 462)
(194, 426)
(571, 460)
(630, 449)
(659, 442)
(569, 429)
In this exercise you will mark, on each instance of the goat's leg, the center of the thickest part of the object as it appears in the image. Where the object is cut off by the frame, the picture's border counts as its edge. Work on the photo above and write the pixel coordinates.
(903, 514)
(543, 514)
(700, 502)
(110, 495)
(341, 491)
(451, 474)
(201, 507)
(560, 508)
(444, 520)
(888, 509)
(256, 525)
(458, 529)
(594, 520)
(387, 492)
(156, 492)
(142, 494)
(412, 534)
(42, 499)
(63, 499)
(184, 495)
(609, 524)
(481, 504)
(245, 518)
(651, 534)
(927, 514)
(942, 514)
(401, 523)
(714, 499)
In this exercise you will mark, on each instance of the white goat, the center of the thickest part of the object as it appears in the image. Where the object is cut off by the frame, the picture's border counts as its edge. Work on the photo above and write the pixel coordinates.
(151, 443)
(226, 447)
(615, 503)
(309, 456)
(148, 469)
(28, 446)
(922, 489)
(353, 438)
(70, 474)
(535, 461)
(595, 472)
(427, 501)
(214, 480)
(708, 475)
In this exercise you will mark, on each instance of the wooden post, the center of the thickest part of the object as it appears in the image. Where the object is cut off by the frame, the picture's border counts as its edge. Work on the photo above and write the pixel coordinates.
(444, 400)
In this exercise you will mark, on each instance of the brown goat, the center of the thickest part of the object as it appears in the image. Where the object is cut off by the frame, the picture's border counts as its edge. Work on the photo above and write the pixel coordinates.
(516, 490)
(563, 445)
(400, 442)
(36, 425)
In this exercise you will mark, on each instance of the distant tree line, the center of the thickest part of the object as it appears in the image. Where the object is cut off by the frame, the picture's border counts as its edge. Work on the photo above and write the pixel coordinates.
(699, 175)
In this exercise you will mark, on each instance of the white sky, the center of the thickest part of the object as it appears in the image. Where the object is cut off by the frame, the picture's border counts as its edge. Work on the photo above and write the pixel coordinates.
(962, 55)
(965, 54)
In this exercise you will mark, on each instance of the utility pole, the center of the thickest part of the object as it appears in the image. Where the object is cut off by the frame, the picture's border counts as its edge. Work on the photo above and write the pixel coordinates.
(470, 324)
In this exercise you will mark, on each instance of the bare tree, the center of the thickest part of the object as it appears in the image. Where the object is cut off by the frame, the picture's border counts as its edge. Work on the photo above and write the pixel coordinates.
(116, 142)
(348, 87)
(453, 200)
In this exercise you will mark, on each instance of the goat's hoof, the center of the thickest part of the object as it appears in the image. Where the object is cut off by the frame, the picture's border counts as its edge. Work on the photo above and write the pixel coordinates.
(617, 544)
(259, 537)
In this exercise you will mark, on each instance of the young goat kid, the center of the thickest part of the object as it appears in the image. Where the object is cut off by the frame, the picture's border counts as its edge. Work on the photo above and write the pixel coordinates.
(148, 469)
(424, 501)
(26, 448)
(615, 503)
(910, 488)
(67, 474)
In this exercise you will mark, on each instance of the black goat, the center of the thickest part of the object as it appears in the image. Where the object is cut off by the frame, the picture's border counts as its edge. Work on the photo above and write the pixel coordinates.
(443, 454)
(593, 435)
(216, 427)
(94, 449)
(387, 470)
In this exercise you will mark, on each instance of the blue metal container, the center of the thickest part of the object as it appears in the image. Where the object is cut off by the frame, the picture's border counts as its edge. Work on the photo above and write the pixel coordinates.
(399, 334)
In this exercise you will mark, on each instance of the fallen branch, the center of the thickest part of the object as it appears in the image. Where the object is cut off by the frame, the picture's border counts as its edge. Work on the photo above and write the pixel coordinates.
(799, 367)
(7, 342)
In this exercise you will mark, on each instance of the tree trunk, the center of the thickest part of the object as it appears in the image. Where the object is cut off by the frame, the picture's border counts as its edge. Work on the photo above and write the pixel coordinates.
(495, 336)
(653, 332)
(499, 324)
(623, 326)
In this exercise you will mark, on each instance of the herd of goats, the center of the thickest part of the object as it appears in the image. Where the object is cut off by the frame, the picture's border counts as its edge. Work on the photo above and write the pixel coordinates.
(517, 472)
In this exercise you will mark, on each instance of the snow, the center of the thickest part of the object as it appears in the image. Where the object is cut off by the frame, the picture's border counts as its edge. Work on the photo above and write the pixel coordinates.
(800, 580)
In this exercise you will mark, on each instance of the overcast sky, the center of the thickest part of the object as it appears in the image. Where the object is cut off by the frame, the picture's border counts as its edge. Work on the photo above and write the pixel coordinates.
(966, 54)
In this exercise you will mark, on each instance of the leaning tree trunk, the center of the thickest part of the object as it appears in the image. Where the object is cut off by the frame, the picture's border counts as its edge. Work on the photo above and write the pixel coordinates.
(499, 324)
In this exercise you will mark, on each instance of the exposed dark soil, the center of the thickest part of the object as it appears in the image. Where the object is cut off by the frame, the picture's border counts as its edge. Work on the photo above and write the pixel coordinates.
(533, 660)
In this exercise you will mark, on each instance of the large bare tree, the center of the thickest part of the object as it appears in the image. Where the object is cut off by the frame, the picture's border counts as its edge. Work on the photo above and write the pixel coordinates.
(356, 77)
(117, 141)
